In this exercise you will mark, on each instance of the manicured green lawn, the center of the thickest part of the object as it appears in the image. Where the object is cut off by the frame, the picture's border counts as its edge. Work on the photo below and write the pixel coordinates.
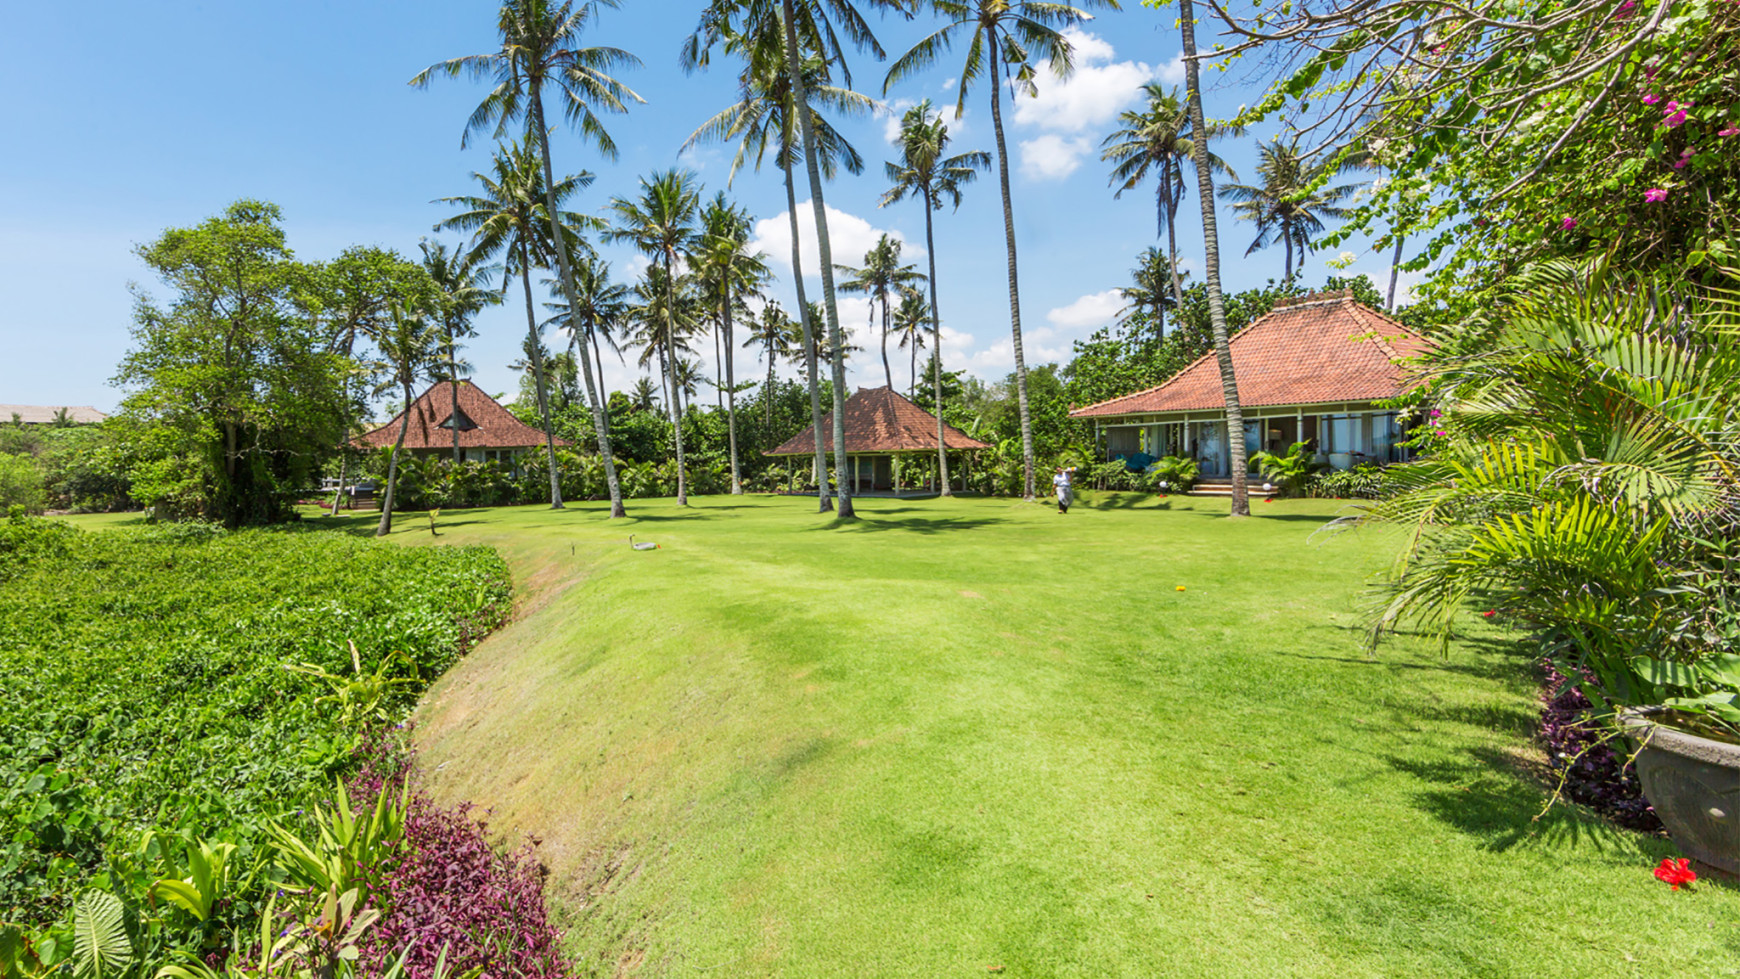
(972, 734)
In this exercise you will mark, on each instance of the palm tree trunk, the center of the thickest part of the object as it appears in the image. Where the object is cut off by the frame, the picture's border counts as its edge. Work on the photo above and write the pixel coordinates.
(538, 377)
(806, 125)
(718, 371)
(887, 372)
(453, 384)
(1229, 386)
(1288, 240)
(603, 390)
(1395, 273)
(731, 397)
(386, 525)
(1014, 279)
(823, 503)
(1172, 246)
(942, 454)
(570, 293)
(676, 409)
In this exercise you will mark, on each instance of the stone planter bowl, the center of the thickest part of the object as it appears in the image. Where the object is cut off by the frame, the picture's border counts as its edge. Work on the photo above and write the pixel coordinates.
(1694, 785)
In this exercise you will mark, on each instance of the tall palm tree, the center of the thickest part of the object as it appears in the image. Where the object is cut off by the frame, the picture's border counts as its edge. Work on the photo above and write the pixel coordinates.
(911, 322)
(1283, 204)
(801, 29)
(602, 310)
(643, 396)
(926, 172)
(1007, 37)
(881, 277)
(409, 346)
(540, 44)
(1229, 386)
(733, 273)
(462, 282)
(661, 223)
(1149, 293)
(509, 219)
(777, 336)
(1157, 139)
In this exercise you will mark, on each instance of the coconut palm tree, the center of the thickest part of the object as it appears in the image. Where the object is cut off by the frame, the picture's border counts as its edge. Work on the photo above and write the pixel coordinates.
(881, 277)
(911, 322)
(644, 396)
(603, 311)
(410, 347)
(508, 219)
(1229, 387)
(777, 336)
(1007, 37)
(1157, 139)
(661, 223)
(540, 45)
(732, 273)
(802, 29)
(462, 282)
(926, 172)
(1283, 204)
(1149, 294)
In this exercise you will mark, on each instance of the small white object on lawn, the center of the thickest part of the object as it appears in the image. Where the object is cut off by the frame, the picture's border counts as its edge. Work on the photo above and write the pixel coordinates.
(642, 546)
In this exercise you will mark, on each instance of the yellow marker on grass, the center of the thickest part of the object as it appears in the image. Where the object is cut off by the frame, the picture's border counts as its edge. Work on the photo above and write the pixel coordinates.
(1180, 587)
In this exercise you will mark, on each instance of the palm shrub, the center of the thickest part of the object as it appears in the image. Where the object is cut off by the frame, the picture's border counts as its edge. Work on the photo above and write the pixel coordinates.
(1291, 471)
(1585, 489)
(1173, 474)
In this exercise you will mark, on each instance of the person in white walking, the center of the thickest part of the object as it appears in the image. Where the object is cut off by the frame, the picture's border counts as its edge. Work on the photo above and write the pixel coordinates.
(1061, 481)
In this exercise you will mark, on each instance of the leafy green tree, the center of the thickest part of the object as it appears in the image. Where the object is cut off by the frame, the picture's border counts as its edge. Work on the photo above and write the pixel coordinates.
(662, 224)
(1291, 199)
(410, 349)
(540, 45)
(603, 313)
(21, 483)
(1157, 139)
(732, 273)
(1006, 37)
(232, 366)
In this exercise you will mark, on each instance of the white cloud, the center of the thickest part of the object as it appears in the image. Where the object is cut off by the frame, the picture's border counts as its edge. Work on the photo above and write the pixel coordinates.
(850, 236)
(1052, 156)
(1094, 94)
(1092, 310)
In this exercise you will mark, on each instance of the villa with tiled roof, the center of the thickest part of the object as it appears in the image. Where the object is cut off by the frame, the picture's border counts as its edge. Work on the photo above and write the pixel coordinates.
(880, 425)
(488, 432)
(1313, 369)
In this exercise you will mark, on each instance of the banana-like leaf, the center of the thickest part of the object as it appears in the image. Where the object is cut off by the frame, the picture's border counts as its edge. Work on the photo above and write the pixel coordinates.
(101, 947)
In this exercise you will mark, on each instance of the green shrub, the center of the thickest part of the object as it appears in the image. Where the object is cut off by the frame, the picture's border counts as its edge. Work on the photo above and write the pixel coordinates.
(1290, 472)
(21, 484)
(1363, 482)
(1173, 474)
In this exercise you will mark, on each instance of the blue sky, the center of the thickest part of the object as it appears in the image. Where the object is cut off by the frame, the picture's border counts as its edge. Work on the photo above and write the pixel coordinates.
(127, 118)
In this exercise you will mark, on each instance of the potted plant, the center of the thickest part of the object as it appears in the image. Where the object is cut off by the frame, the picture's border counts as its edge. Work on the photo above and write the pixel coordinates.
(1580, 488)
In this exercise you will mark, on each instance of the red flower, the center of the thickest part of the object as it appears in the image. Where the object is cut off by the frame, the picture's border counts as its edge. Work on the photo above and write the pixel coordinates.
(1489, 613)
(1675, 872)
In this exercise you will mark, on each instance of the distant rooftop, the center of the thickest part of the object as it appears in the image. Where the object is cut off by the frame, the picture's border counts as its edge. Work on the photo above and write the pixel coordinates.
(46, 414)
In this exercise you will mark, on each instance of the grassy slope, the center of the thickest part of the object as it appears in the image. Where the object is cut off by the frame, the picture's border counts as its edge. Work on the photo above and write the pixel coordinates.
(974, 733)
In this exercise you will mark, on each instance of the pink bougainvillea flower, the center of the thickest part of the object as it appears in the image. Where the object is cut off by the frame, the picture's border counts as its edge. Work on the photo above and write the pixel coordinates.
(1654, 195)
(1730, 131)
(1624, 10)
(1438, 432)
(1567, 224)
(1437, 414)
(1676, 120)
(1651, 99)
(1675, 872)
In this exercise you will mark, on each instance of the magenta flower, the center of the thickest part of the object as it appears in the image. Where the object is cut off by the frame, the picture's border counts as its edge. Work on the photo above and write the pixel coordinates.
(1651, 99)
(1730, 131)
(1567, 224)
(1685, 158)
(1676, 120)
(1439, 432)
(1624, 10)
(1436, 413)
(1654, 195)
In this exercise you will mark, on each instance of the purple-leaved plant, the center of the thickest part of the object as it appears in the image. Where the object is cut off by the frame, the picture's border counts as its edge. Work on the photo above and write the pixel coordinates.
(1592, 771)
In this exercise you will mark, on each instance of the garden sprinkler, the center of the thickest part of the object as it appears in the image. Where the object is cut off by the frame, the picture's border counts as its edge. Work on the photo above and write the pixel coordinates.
(642, 546)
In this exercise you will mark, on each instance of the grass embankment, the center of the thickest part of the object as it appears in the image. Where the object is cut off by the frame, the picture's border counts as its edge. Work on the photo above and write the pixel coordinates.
(969, 734)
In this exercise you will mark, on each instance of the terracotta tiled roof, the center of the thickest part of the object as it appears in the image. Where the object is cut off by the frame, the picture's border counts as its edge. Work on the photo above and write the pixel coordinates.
(1314, 351)
(490, 425)
(879, 420)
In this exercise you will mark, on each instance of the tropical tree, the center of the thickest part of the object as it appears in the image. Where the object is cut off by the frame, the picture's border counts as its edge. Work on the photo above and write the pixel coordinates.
(881, 277)
(782, 73)
(662, 224)
(911, 322)
(507, 219)
(602, 314)
(926, 172)
(1290, 200)
(1149, 297)
(777, 336)
(410, 349)
(644, 396)
(1229, 386)
(732, 273)
(1007, 36)
(1157, 139)
(462, 290)
(540, 45)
